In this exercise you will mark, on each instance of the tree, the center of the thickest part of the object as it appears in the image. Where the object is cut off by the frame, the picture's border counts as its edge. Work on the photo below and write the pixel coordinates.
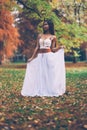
(72, 32)
(68, 32)
(9, 36)
(31, 19)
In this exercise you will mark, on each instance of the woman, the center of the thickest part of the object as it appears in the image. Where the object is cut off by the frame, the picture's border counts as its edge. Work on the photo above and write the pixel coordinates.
(45, 73)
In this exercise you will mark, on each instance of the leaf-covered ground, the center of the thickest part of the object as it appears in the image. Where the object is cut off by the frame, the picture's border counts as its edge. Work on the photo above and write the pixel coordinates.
(67, 112)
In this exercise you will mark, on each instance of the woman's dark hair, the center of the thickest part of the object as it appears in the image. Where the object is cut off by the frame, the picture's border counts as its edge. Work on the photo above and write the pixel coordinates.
(51, 26)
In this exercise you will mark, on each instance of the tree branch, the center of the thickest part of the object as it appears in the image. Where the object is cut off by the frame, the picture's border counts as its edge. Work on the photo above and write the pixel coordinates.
(29, 8)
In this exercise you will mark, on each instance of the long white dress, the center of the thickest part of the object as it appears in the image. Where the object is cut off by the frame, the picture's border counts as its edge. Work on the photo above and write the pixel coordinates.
(45, 75)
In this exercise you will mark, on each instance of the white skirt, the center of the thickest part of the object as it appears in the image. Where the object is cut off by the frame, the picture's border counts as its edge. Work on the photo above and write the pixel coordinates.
(45, 75)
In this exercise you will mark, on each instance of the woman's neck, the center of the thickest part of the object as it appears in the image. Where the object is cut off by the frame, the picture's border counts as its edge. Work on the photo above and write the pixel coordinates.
(47, 32)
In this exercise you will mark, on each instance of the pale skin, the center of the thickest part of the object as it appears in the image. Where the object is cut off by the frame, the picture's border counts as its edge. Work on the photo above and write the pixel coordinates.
(53, 38)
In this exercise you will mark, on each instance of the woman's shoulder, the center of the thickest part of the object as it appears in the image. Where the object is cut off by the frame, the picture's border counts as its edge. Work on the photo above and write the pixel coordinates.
(53, 37)
(39, 36)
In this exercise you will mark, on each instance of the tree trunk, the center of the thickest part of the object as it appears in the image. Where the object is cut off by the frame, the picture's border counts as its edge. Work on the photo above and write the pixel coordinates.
(74, 59)
(0, 59)
(0, 62)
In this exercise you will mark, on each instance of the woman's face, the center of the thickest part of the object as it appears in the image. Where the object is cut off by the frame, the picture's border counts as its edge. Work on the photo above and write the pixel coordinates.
(45, 26)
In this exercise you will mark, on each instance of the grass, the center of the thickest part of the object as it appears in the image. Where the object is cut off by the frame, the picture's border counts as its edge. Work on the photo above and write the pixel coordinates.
(67, 112)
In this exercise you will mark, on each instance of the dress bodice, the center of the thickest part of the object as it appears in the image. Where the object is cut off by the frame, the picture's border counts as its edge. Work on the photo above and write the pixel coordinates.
(44, 43)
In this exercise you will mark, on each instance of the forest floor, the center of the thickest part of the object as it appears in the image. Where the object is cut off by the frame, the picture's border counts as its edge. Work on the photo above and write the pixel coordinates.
(66, 112)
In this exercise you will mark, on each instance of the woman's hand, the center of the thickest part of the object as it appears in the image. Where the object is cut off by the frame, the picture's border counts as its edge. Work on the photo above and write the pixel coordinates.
(62, 47)
(30, 59)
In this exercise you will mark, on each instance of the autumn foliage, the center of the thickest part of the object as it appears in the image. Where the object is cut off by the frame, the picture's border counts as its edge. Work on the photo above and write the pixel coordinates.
(9, 36)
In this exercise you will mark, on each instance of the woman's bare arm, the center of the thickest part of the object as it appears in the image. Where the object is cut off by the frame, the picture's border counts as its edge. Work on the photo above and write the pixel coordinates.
(35, 50)
(54, 48)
